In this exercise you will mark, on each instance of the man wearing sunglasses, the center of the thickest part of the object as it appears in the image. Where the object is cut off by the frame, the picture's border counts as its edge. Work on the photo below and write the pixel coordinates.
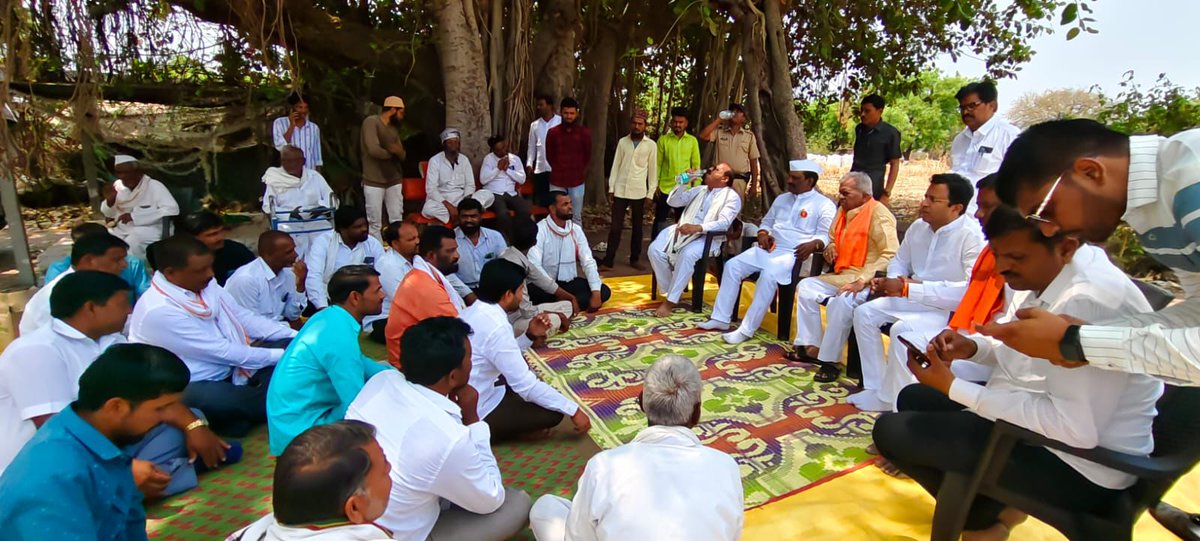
(978, 149)
(1078, 176)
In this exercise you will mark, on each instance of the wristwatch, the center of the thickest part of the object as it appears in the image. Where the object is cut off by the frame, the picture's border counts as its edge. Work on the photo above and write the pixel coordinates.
(1070, 347)
(195, 424)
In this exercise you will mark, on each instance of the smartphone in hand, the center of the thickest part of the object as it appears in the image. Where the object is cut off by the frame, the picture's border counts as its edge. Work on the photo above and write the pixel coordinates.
(922, 359)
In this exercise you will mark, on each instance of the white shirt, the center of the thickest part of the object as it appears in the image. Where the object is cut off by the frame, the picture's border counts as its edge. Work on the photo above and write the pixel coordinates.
(258, 289)
(664, 485)
(449, 183)
(559, 249)
(307, 138)
(1083, 407)
(472, 256)
(211, 347)
(494, 353)
(796, 219)
(37, 310)
(39, 375)
(322, 264)
(942, 260)
(392, 268)
(682, 196)
(313, 191)
(977, 154)
(268, 529)
(502, 182)
(146, 205)
(535, 153)
(433, 456)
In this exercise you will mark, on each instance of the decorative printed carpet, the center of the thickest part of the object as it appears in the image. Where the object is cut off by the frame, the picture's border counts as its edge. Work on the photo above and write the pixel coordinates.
(785, 430)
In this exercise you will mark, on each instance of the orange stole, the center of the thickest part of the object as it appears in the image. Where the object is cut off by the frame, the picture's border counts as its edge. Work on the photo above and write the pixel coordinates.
(853, 238)
(984, 296)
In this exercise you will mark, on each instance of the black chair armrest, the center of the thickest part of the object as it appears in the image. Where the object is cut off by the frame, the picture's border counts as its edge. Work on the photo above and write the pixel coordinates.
(1144, 467)
(710, 236)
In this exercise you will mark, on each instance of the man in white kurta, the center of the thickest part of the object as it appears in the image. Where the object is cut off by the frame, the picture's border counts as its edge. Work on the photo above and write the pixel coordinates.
(561, 252)
(138, 203)
(291, 195)
(664, 484)
(449, 179)
(979, 148)
(186, 312)
(926, 279)
(710, 207)
(348, 244)
(271, 285)
(796, 227)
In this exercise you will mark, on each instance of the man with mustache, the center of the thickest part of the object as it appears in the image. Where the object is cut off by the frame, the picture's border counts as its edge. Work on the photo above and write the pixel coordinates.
(978, 150)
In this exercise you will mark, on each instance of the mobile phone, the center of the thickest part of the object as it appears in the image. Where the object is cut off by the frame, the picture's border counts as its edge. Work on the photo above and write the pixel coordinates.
(922, 359)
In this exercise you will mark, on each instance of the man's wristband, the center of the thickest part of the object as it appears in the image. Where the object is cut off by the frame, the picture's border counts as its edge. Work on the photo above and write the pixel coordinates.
(1071, 347)
(195, 424)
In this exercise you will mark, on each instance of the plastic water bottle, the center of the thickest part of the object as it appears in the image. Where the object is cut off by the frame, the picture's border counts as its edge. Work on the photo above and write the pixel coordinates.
(687, 177)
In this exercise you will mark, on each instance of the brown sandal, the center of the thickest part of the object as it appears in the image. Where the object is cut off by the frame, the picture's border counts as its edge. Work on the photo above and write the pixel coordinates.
(799, 354)
(827, 373)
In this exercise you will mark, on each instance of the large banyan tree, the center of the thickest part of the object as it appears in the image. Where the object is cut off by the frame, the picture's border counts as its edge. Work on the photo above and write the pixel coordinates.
(476, 64)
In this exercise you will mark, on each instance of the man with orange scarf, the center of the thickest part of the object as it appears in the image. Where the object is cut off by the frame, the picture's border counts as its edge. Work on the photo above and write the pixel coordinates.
(863, 242)
(982, 299)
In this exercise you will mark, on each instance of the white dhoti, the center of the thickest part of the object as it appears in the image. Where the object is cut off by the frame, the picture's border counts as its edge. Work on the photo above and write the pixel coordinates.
(905, 315)
(774, 268)
(839, 314)
(138, 237)
(673, 279)
(436, 210)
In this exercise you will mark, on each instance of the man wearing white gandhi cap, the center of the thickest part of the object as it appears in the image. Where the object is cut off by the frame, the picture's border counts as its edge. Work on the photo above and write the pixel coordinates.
(138, 203)
(796, 226)
(449, 180)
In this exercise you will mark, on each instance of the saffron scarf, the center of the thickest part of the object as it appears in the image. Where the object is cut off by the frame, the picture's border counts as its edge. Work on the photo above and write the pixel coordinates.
(984, 296)
(853, 238)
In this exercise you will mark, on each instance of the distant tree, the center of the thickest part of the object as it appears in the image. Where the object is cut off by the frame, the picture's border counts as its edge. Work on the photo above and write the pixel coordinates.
(1035, 107)
(1163, 109)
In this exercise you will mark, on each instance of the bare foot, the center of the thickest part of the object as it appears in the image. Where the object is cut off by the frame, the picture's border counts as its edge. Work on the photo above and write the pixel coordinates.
(889, 469)
(872, 450)
(664, 309)
(1009, 518)
(812, 351)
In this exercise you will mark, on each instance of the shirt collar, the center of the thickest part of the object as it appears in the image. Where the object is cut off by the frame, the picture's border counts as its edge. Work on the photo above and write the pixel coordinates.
(668, 435)
(952, 226)
(439, 400)
(170, 286)
(64, 329)
(987, 127)
(87, 434)
(1142, 188)
(262, 268)
(1081, 260)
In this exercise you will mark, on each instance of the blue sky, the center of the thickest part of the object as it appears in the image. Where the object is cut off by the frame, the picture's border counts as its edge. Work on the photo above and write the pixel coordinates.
(1147, 36)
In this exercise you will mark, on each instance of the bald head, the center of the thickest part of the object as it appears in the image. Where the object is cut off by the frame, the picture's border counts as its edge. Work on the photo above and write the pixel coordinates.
(291, 158)
(277, 249)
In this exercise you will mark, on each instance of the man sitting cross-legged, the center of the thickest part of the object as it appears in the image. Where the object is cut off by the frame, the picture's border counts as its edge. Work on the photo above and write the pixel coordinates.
(401, 240)
(561, 251)
(135, 268)
(138, 204)
(324, 367)
(100, 252)
(695, 492)
(186, 312)
(512, 399)
(39, 376)
(944, 422)
(524, 238)
(428, 425)
(926, 280)
(347, 244)
(425, 291)
(273, 285)
(710, 207)
(862, 242)
(476, 244)
(331, 484)
(72, 480)
(796, 226)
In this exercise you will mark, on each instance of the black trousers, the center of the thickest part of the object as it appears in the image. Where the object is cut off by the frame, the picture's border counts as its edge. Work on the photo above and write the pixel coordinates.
(578, 287)
(231, 410)
(541, 189)
(932, 434)
(661, 211)
(504, 203)
(514, 417)
(377, 329)
(619, 206)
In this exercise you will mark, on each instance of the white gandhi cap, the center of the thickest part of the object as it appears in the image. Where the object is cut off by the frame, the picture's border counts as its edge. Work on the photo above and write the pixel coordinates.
(123, 158)
(800, 166)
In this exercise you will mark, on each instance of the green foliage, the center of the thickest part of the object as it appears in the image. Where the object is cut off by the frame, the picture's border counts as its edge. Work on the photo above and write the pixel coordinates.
(1163, 109)
(1124, 247)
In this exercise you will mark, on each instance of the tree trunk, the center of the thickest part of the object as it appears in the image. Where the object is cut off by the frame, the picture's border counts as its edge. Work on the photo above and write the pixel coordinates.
(461, 53)
(495, 60)
(791, 144)
(601, 64)
(518, 77)
(553, 51)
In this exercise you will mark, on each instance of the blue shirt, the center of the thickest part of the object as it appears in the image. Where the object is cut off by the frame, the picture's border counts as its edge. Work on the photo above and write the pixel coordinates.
(319, 375)
(70, 482)
(471, 257)
(134, 273)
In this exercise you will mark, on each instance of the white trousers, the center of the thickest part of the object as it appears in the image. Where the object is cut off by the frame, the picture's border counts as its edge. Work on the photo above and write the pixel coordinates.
(774, 269)
(839, 314)
(376, 198)
(904, 314)
(672, 281)
(138, 237)
(896, 375)
(548, 518)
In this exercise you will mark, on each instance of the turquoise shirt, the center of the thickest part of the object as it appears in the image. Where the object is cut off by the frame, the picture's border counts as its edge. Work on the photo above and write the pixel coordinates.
(70, 482)
(134, 273)
(319, 375)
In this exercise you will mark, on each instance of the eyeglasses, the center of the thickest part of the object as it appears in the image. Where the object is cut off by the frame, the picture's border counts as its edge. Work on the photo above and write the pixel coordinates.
(931, 199)
(1048, 227)
(969, 107)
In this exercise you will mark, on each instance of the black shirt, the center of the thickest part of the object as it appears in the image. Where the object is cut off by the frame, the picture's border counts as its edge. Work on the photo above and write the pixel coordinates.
(873, 149)
(229, 258)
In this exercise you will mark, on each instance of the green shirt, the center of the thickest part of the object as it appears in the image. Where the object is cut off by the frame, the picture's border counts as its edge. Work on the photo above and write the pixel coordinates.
(676, 155)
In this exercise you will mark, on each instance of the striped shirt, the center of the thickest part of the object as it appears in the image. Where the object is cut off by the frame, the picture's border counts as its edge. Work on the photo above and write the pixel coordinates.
(1163, 207)
(306, 138)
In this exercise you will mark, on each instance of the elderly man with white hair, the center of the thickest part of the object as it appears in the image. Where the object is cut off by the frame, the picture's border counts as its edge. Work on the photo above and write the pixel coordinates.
(663, 485)
(796, 226)
(294, 188)
(138, 203)
(449, 179)
(862, 242)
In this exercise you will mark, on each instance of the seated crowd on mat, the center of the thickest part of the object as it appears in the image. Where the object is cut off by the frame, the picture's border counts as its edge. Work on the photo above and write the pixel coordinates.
(143, 359)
